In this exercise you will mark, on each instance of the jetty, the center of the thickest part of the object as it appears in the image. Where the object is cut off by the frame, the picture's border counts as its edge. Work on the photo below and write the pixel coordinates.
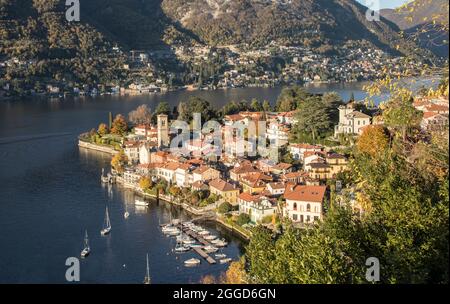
(200, 251)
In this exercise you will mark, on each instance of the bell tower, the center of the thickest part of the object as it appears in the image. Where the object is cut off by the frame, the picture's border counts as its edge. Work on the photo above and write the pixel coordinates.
(163, 130)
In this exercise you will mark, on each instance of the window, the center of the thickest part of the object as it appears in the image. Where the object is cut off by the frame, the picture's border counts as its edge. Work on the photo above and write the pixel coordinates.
(301, 218)
(294, 217)
(308, 208)
(308, 219)
(295, 207)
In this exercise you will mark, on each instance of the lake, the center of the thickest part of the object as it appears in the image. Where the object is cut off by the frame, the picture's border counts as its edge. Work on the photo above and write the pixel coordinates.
(50, 192)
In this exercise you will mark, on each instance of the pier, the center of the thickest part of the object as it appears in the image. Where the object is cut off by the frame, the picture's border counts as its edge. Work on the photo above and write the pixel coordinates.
(200, 251)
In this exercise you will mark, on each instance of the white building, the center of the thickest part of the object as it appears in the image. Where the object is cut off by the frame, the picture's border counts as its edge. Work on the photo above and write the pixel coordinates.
(131, 150)
(298, 150)
(351, 121)
(183, 175)
(257, 207)
(276, 188)
(278, 134)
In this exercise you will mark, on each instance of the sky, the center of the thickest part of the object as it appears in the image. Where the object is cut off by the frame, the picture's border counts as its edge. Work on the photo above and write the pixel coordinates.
(384, 3)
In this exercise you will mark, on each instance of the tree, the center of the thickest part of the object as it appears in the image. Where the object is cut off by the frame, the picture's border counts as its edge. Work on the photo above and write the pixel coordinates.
(119, 125)
(290, 98)
(256, 106)
(332, 101)
(235, 273)
(312, 117)
(175, 191)
(118, 161)
(400, 114)
(266, 106)
(102, 129)
(373, 141)
(243, 219)
(225, 208)
(145, 184)
(142, 115)
(162, 108)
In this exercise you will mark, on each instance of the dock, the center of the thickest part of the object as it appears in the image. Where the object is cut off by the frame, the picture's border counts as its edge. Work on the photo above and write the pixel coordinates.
(204, 255)
(200, 251)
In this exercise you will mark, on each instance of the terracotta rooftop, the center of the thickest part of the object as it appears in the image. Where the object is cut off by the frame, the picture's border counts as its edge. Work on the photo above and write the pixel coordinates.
(222, 185)
(306, 146)
(306, 194)
(278, 186)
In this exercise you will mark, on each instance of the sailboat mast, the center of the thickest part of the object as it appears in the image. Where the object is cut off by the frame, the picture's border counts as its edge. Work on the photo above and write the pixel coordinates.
(86, 239)
(148, 268)
(108, 223)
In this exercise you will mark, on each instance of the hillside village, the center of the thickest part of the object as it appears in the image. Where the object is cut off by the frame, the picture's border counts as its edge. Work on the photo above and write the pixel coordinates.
(248, 188)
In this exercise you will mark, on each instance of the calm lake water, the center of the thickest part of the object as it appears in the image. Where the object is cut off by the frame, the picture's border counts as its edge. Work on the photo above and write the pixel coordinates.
(50, 192)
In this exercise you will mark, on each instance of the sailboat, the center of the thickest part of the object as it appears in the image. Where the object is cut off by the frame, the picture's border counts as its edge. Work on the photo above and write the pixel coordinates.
(85, 252)
(147, 276)
(107, 225)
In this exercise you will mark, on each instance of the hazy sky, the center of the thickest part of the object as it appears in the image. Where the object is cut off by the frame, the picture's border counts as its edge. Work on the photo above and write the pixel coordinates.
(385, 3)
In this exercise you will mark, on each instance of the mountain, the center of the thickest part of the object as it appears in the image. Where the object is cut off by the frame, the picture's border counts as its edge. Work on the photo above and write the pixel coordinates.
(418, 16)
(47, 48)
(142, 24)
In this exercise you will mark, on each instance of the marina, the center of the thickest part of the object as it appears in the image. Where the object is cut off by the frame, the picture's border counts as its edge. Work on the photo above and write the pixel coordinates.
(188, 235)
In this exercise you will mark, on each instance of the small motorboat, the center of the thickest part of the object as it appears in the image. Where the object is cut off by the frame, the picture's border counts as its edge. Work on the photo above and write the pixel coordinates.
(210, 249)
(173, 232)
(188, 242)
(210, 237)
(220, 255)
(195, 245)
(203, 232)
(126, 214)
(192, 262)
(182, 248)
(224, 261)
(138, 202)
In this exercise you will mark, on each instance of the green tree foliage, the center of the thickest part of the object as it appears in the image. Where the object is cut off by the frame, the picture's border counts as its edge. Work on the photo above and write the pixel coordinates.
(290, 98)
(193, 105)
(400, 114)
(405, 223)
(266, 106)
(162, 108)
(313, 117)
(256, 106)
(225, 207)
(243, 219)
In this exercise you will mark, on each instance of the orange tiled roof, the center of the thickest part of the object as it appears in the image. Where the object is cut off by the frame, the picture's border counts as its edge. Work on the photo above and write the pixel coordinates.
(306, 194)
(222, 185)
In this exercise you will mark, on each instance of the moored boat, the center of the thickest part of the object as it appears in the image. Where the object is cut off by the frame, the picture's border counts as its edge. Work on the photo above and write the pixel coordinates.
(138, 202)
(224, 261)
(86, 250)
(147, 275)
(192, 262)
(107, 224)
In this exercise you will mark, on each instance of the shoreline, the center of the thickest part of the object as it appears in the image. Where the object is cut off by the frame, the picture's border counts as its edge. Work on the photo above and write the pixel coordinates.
(207, 214)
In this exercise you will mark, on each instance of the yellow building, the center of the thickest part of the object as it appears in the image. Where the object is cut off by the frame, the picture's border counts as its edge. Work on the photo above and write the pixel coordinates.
(225, 190)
